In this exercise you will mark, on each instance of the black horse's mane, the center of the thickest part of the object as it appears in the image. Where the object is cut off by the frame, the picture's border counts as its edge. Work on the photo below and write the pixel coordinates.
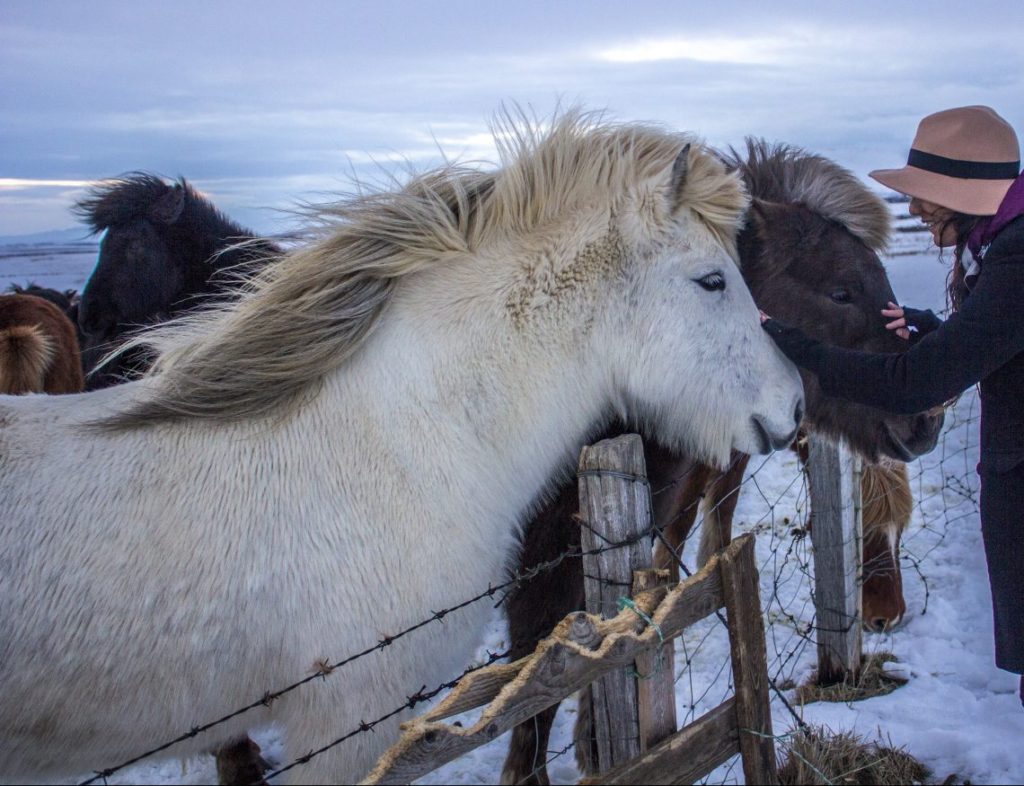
(144, 195)
(65, 300)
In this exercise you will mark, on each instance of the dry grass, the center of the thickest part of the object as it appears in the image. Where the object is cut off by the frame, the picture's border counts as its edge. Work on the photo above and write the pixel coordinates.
(872, 681)
(819, 756)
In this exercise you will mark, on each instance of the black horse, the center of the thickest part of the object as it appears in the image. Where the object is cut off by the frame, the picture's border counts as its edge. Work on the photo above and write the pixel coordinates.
(166, 250)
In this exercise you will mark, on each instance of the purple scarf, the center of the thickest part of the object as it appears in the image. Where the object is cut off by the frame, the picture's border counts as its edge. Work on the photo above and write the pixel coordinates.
(1011, 207)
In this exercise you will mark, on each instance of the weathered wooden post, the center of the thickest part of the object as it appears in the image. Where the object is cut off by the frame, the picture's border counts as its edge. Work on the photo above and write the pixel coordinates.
(749, 662)
(836, 535)
(630, 714)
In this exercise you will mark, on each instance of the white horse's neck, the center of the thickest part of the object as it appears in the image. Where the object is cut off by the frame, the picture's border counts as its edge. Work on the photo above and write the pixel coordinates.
(501, 425)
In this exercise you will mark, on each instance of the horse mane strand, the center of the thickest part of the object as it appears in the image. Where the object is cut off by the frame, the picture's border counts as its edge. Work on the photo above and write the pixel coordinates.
(133, 195)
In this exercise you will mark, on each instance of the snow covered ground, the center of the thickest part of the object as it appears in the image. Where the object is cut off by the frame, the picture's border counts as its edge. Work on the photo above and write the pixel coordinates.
(957, 713)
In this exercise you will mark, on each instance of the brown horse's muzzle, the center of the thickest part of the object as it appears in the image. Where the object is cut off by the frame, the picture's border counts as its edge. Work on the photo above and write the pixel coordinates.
(882, 593)
(916, 435)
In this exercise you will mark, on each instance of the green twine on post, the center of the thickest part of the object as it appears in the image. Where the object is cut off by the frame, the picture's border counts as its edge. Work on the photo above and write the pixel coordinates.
(628, 603)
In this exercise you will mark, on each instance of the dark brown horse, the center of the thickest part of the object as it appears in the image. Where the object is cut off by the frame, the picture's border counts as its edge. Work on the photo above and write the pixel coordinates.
(166, 249)
(809, 254)
(38, 347)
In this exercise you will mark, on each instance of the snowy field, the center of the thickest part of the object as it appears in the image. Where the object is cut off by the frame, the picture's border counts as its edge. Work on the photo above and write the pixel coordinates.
(957, 713)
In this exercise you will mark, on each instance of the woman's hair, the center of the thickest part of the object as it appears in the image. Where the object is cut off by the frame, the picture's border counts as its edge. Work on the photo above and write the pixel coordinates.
(956, 287)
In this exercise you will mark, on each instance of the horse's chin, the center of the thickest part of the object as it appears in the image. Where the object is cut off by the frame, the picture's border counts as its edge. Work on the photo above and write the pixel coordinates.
(753, 444)
(895, 447)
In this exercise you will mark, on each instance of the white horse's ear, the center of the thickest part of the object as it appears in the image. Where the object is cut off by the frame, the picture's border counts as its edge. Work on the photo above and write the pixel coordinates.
(680, 170)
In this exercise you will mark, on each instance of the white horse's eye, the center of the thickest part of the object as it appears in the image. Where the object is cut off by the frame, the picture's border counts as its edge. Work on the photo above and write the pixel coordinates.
(712, 282)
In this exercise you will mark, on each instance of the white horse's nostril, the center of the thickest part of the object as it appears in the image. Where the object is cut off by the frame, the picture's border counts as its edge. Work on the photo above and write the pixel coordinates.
(771, 440)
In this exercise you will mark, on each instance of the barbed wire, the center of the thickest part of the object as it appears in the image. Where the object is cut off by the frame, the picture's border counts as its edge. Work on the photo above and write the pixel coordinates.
(327, 668)
(552, 757)
(421, 696)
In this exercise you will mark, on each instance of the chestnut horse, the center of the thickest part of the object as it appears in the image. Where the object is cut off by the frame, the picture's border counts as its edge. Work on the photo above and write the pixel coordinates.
(887, 504)
(38, 347)
(809, 253)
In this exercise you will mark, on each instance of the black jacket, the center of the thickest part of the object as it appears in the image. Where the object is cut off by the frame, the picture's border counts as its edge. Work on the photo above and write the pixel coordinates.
(983, 342)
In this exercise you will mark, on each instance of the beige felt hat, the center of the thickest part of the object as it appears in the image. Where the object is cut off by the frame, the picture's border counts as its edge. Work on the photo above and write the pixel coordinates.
(964, 159)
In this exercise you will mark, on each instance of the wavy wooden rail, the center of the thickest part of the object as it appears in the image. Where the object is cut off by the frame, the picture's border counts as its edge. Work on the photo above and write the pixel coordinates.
(582, 648)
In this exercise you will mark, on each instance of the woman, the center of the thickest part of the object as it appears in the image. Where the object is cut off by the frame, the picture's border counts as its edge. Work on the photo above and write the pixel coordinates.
(963, 177)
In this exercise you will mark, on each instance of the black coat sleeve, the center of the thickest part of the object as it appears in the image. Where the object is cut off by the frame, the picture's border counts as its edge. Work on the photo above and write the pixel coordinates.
(986, 333)
(923, 321)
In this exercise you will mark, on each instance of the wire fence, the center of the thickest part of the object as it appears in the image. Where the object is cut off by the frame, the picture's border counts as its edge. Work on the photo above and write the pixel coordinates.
(774, 504)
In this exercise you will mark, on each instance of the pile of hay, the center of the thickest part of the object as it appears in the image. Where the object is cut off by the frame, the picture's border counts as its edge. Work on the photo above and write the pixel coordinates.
(873, 680)
(819, 756)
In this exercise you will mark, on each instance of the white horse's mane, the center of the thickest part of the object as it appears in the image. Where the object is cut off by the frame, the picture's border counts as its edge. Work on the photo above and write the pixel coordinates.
(783, 173)
(305, 313)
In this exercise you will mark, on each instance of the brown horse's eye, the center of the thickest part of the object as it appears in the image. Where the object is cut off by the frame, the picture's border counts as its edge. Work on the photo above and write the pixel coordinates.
(840, 296)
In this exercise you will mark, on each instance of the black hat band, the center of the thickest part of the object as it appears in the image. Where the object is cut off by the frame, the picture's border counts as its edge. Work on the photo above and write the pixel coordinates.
(968, 170)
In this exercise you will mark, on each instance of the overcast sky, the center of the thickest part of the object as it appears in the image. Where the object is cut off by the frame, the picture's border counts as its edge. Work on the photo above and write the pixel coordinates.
(265, 104)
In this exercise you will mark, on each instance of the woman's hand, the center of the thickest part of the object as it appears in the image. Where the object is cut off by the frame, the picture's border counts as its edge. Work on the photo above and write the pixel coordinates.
(899, 320)
(764, 317)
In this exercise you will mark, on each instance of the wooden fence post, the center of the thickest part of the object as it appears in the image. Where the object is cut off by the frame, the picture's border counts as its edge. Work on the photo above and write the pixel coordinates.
(836, 536)
(656, 687)
(749, 662)
(615, 507)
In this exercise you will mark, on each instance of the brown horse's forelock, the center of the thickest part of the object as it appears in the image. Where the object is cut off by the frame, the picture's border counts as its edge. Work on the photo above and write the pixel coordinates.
(886, 499)
(787, 174)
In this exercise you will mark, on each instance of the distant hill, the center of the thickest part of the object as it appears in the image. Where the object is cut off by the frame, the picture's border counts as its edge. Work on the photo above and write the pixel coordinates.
(51, 237)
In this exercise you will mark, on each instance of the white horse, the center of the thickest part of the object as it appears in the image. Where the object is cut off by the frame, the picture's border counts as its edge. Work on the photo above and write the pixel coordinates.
(353, 444)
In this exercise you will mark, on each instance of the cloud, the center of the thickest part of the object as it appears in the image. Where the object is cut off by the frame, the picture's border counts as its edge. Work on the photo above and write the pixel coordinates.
(23, 184)
(717, 49)
(270, 105)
